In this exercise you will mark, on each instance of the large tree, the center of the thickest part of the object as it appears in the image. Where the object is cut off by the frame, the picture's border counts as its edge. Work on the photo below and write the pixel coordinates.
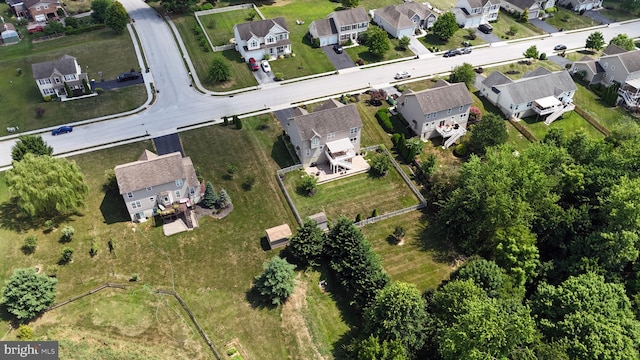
(349, 3)
(595, 41)
(445, 26)
(377, 40)
(178, 6)
(277, 282)
(220, 71)
(27, 294)
(485, 274)
(44, 185)
(463, 73)
(30, 144)
(307, 245)
(116, 17)
(99, 8)
(491, 131)
(624, 41)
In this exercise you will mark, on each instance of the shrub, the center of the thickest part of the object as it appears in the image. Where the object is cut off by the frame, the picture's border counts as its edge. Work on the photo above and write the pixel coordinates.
(238, 122)
(279, 76)
(40, 111)
(134, 277)
(374, 213)
(99, 90)
(52, 270)
(461, 149)
(231, 169)
(308, 185)
(380, 164)
(358, 217)
(383, 118)
(66, 256)
(94, 249)
(25, 332)
(67, 233)
(46, 99)
(543, 56)
(266, 57)
(18, 71)
(249, 182)
(49, 224)
(398, 234)
(30, 244)
(207, 6)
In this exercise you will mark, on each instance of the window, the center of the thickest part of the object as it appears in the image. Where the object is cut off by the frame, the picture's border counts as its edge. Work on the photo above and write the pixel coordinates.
(130, 195)
(70, 77)
(38, 8)
(529, 103)
(442, 123)
(48, 91)
(463, 115)
(270, 40)
(179, 182)
(136, 204)
(44, 81)
(449, 111)
(344, 37)
(428, 116)
(331, 136)
(415, 124)
(57, 80)
(433, 114)
(152, 200)
(192, 190)
(353, 27)
(353, 140)
(344, 28)
(177, 194)
(150, 188)
(605, 65)
(314, 142)
(46, 6)
(308, 153)
(613, 67)
(254, 44)
(353, 130)
(461, 108)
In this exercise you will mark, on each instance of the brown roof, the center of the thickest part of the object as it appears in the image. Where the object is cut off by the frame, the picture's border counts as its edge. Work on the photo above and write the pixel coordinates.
(399, 16)
(9, 26)
(155, 170)
(65, 65)
(259, 28)
(351, 16)
(278, 232)
(441, 97)
(327, 121)
(329, 104)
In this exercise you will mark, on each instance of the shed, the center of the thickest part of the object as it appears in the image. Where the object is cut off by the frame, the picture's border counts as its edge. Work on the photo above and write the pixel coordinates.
(9, 34)
(278, 236)
(321, 219)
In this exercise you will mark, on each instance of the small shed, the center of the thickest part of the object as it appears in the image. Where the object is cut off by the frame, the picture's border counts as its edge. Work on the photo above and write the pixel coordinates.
(321, 219)
(278, 236)
(9, 34)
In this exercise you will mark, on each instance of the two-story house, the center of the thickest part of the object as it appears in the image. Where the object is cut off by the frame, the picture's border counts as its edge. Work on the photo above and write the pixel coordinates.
(538, 93)
(51, 76)
(580, 5)
(442, 110)
(473, 13)
(404, 19)
(256, 39)
(155, 182)
(340, 26)
(536, 8)
(42, 10)
(330, 134)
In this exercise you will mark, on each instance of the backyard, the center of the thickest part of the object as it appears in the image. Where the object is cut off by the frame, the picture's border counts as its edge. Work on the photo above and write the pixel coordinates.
(570, 122)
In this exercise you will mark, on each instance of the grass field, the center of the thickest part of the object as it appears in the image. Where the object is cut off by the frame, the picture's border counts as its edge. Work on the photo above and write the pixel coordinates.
(219, 26)
(362, 52)
(588, 101)
(570, 123)
(100, 50)
(570, 20)
(615, 11)
(502, 27)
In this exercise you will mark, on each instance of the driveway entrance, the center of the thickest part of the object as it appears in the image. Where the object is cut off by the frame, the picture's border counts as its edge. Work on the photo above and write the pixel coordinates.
(340, 61)
(542, 25)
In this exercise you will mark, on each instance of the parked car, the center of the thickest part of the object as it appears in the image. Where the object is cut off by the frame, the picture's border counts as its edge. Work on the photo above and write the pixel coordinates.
(485, 28)
(36, 29)
(560, 47)
(265, 66)
(465, 50)
(129, 75)
(62, 130)
(402, 75)
(338, 48)
(452, 52)
(253, 64)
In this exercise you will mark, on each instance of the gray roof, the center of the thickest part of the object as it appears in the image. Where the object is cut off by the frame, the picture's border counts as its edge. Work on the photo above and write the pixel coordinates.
(479, 3)
(351, 16)
(325, 27)
(496, 78)
(613, 49)
(153, 170)
(537, 72)
(399, 16)
(30, 3)
(329, 104)
(522, 4)
(440, 97)
(259, 28)
(65, 65)
(536, 87)
(630, 60)
(327, 121)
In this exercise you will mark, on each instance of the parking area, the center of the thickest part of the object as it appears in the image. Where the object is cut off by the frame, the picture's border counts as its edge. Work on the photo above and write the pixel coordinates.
(264, 77)
(340, 61)
(597, 16)
(167, 143)
(488, 38)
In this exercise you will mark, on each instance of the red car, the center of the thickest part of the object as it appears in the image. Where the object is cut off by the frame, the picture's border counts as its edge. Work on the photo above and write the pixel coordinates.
(36, 29)
(253, 64)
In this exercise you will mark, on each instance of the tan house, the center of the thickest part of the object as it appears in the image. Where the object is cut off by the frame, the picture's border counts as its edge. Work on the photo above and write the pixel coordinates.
(255, 39)
(51, 76)
(404, 19)
(340, 26)
(155, 183)
(442, 110)
(330, 134)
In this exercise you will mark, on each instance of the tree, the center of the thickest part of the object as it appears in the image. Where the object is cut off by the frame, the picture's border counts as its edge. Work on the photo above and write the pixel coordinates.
(308, 185)
(211, 197)
(225, 199)
(595, 41)
(116, 17)
(445, 26)
(463, 73)
(30, 244)
(44, 185)
(532, 52)
(67, 233)
(178, 6)
(99, 8)
(403, 42)
(277, 282)
(485, 274)
(307, 245)
(53, 27)
(372, 348)
(491, 131)
(624, 41)
(398, 313)
(517, 253)
(428, 166)
(377, 40)
(219, 71)
(380, 164)
(513, 30)
(72, 21)
(350, 3)
(524, 17)
(66, 255)
(27, 294)
(30, 144)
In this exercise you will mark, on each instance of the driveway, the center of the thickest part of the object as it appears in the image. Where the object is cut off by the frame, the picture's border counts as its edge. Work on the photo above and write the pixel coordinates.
(418, 47)
(114, 84)
(488, 38)
(542, 25)
(264, 77)
(340, 61)
(562, 61)
(595, 15)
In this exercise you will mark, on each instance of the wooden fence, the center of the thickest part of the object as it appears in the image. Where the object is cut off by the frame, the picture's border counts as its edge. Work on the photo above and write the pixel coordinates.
(221, 10)
(593, 121)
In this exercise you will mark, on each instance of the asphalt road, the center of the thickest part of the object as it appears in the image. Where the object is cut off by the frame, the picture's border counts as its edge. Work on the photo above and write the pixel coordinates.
(179, 105)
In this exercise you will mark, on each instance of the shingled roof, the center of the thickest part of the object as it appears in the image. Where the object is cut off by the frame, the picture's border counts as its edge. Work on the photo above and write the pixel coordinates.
(399, 16)
(332, 119)
(65, 65)
(535, 87)
(153, 170)
(259, 28)
(522, 4)
(324, 27)
(630, 60)
(440, 98)
(351, 16)
(30, 3)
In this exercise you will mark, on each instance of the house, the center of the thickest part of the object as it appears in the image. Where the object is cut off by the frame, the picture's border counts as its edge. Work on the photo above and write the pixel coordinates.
(330, 134)
(42, 10)
(581, 5)
(18, 8)
(535, 7)
(9, 34)
(340, 26)
(473, 13)
(157, 182)
(51, 77)
(404, 19)
(615, 66)
(539, 92)
(264, 38)
(442, 110)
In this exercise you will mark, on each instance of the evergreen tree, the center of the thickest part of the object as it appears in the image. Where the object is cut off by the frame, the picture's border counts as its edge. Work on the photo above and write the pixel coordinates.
(220, 71)
(277, 282)
(224, 200)
(27, 294)
(210, 198)
(595, 41)
(30, 144)
(307, 245)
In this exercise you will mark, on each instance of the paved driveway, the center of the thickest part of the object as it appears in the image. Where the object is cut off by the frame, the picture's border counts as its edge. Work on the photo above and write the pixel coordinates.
(488, 38)
(542, 25)
(264, 77)
(340, 61)
(595, 15)
(114, 84)
(418, 47)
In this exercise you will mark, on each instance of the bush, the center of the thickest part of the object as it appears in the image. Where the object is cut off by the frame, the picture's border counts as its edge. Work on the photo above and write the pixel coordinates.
(249, 182)
(308, 185)
(94, 249)
(374, 213)
(358, 217)
(99, 90)
(383, 118)
(380, 165)
(30, 244)
(40, 111)
(461, 149)
(67, 233)
(279, 76)
(207, 6)
(25, 332)
(134, 277)
(66, 256)
(543, 56)
(46, 99)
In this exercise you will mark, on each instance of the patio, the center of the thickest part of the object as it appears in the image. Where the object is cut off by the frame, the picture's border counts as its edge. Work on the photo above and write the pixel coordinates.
(324, 173)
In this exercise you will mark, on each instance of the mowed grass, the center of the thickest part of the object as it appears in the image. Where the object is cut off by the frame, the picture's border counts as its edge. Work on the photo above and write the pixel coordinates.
(522, 68)
(100, 50)
(570, 20)
(219, 26)
(502, 27)
(434, 42)
(590, 102)
(570, 122)
(616, 11)
(362, 52)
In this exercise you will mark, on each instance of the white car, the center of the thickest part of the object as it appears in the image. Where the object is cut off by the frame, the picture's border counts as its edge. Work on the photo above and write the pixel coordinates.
(265, 66)
(402, 75)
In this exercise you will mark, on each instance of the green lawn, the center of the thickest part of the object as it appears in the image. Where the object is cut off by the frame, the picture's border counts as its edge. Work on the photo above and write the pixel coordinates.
(435, 43)
(588, 101)
(502, 28)
(570, 20)
(362, 52)
(570, 123)
(219, 26)
(100, 50)
(615, 10)
(522, 68)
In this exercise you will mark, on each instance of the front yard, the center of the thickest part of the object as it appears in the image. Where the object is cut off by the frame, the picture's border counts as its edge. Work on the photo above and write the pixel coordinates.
(570, 20)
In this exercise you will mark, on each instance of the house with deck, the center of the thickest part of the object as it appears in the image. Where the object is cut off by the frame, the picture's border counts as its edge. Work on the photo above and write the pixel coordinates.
(159, 184)
(330, 134)
(540, 93)
(404, 19)
(442, 110)
(257, 39)
(473, 13)
(51, 77)
(340, 26)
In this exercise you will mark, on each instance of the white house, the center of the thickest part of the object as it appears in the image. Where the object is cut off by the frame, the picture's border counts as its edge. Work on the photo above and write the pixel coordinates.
(536, 8)
(340, 26)
(538, 93)
(442, 110)
(51, 76)
(473, 13)
(155, 183)
(255, 39)
(404, 19)
(580, 5)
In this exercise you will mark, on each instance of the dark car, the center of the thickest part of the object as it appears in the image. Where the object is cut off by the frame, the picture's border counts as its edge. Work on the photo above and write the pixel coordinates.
(338, 48)
(62, 130)
(485, 28)
(129, 75)
(560, 47)
(253, 64)
(453, 52)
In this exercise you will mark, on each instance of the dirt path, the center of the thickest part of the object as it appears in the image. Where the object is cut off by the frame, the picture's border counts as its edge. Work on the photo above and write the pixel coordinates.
(294, 324)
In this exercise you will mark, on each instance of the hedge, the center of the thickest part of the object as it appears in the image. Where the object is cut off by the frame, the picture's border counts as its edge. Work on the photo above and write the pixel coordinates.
(383, 118)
